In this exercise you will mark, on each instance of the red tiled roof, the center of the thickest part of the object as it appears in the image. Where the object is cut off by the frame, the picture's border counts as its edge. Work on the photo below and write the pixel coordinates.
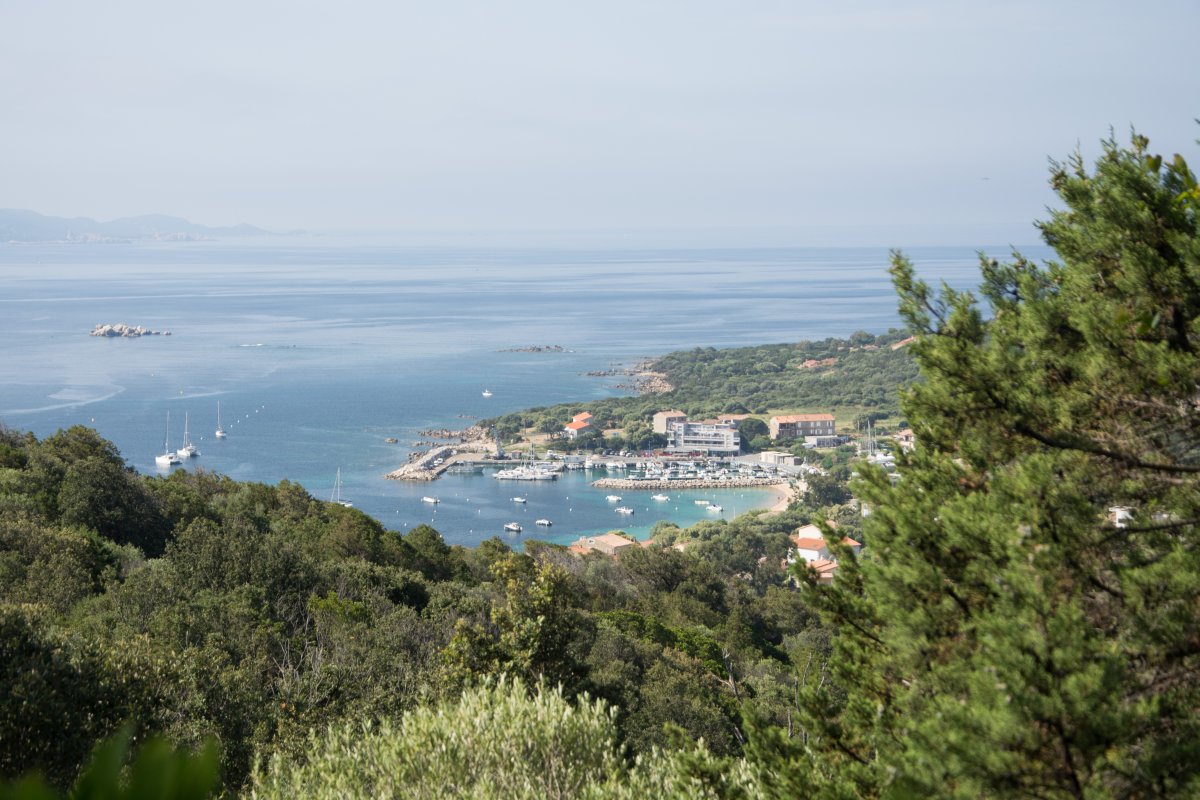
(582, 416)
(824, 565)
(848, 541)
(809, 543)
(577, 425)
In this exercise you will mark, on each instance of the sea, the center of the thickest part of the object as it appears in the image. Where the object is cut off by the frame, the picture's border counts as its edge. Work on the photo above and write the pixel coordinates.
(318, 349)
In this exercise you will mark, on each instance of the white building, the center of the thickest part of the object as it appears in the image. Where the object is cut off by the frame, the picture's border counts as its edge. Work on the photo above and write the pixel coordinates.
(713, 438)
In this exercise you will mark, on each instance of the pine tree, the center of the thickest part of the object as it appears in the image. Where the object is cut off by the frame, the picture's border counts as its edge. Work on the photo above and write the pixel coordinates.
(1025, 620)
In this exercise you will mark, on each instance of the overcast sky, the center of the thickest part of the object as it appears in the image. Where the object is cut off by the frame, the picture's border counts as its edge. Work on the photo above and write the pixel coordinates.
(773, 122)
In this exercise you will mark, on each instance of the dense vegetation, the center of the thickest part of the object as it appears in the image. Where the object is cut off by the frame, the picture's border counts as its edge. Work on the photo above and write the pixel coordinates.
(196, 607)
(856, 379)
(1024, 620)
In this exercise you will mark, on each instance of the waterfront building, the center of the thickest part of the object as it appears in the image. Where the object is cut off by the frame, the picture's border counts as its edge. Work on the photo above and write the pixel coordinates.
(711, 438)
(663, 418)
(801, 426)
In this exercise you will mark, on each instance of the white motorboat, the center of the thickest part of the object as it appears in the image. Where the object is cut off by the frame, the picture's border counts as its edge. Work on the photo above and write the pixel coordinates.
(512, 526)
(715, 508)
(428, 499)
(545, 523)
(337, 491)
(220, 434)
(168, 457)
(662, 498)
(519, 500)
(525, 474)
(613, 498)
(701, 502)
(624, 510)
(487, 392)
(188, 450)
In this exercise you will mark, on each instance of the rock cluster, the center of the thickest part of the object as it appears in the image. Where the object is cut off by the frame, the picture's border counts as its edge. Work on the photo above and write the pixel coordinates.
(125, 331)
(537, 348)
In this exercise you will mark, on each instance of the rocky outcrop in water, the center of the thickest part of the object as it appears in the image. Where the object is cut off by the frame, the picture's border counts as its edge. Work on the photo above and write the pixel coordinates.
(125, 331)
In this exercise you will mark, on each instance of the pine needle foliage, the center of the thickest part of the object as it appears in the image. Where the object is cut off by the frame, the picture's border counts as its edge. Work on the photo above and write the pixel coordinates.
(1025, 621)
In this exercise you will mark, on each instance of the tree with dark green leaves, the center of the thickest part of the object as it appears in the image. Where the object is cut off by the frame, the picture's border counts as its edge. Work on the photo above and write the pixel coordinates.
(1025, 621)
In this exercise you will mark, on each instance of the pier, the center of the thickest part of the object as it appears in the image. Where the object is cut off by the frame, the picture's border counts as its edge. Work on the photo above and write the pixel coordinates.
(423, 468)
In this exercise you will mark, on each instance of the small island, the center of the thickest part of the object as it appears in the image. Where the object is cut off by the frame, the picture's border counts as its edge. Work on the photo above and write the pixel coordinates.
(125, 331)
(537, 348)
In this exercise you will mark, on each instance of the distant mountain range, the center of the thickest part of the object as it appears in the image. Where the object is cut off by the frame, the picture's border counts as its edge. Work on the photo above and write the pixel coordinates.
(18, 225)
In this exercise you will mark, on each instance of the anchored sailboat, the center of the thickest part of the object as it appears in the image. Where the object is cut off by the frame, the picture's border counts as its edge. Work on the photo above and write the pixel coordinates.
(168, 458)
(188, 450)
(220, 431)
(337, 491)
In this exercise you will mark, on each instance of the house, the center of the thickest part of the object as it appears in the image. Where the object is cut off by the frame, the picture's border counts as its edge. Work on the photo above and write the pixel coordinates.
(825, 569)
(610, 544)
(801, 426)
(582, 417)
(663, 418)
(810, 547)
(906, 439)
(779, 459)
(711, 437)
(572, 429)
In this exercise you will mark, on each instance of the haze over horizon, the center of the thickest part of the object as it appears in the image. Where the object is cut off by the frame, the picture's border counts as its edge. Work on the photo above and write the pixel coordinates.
(777, 123)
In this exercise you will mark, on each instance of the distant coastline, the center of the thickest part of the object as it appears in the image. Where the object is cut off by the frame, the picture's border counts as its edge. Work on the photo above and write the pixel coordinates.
(21, 226)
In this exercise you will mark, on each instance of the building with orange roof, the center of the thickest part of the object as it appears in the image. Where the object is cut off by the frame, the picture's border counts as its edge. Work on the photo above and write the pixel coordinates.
(573, 429)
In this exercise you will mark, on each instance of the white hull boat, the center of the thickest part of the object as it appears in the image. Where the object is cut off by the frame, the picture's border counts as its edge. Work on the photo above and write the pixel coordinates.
(168, 458)
(188, 450)
(337, 491)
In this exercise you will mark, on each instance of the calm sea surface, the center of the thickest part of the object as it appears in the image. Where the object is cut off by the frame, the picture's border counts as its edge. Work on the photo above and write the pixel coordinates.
(318, 350)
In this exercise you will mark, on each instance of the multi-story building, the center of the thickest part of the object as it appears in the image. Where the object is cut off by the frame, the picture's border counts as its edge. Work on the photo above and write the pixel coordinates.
(801, 426)
(664, 418)
(713, 438)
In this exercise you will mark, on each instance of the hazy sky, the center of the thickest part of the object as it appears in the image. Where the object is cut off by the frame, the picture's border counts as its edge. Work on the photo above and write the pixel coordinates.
(784, 122)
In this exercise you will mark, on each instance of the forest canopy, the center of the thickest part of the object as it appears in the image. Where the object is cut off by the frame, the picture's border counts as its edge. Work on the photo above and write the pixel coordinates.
(1023, 619)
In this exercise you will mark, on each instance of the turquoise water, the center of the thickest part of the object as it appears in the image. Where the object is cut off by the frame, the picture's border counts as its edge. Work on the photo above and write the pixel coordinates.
(319, 350)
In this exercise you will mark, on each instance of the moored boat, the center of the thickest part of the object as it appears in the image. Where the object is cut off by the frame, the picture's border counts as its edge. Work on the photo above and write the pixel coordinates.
(168, 458)
(428, 499)
(337, 491)
(512, 526)
(545, 523)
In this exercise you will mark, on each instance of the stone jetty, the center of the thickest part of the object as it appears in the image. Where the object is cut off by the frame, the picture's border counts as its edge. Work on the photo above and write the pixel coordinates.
(423, 468)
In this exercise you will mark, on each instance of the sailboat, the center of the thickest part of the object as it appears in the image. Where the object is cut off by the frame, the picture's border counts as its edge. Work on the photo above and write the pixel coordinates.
(337, 492)
(487, 392)
(168, 458)
(220, 431)
(188, 450)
